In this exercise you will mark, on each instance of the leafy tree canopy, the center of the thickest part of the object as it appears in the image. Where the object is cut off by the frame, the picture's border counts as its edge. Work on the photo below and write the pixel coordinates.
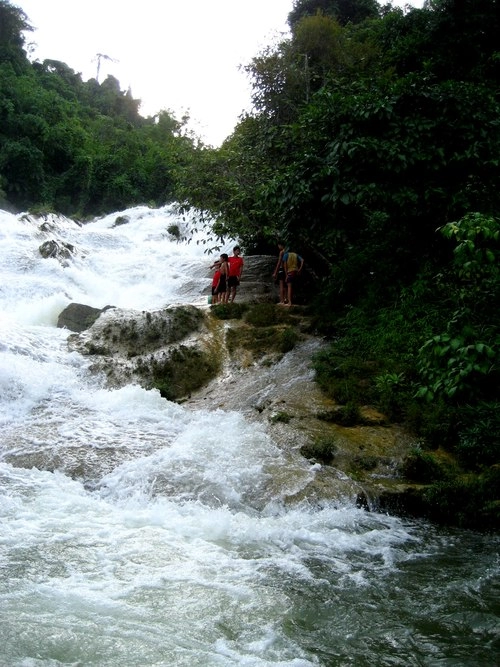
(343, 11)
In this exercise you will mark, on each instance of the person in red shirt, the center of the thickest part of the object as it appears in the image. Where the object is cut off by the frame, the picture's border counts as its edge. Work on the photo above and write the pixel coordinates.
(236, 264)
(215, 282)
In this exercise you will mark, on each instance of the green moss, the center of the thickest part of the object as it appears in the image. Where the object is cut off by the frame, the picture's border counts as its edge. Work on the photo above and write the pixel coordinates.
(228, 311)
(289, 338)
(423, 467)
(281, 417)
(260, 341)
(182, 372)
(322, 449)
(346, 415)
(262, 315)
(345, 378)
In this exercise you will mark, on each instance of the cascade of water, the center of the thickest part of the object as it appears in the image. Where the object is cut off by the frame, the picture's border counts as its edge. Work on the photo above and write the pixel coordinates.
(138, 532)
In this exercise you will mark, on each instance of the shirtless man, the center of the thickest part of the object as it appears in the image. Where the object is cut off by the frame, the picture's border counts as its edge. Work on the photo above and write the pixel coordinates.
(293, 265)
(221, 288)
(279, 272)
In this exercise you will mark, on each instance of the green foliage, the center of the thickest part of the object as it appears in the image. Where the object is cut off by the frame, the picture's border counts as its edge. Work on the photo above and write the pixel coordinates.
(79, 147)
(469, 501)
(464, 361)
(13, 23)
(344, 11)
(450, 365)
(423, 467)
(289, 338)
(478, 441)
(174, 230)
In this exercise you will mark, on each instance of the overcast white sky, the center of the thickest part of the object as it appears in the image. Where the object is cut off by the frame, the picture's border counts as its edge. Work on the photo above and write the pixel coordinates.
(175, 55)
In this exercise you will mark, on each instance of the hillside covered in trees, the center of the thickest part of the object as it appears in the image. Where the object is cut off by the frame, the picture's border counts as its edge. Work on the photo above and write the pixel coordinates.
(374, 149)
(80, 148)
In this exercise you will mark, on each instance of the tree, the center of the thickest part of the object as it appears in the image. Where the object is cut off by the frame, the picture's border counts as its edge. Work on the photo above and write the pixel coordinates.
(13, 22)
(343, 11)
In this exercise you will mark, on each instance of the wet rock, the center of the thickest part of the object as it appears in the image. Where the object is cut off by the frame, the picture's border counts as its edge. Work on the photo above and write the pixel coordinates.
(168, 349)
(79, 317)
(259, 286)
(56, 249)
(257, 282)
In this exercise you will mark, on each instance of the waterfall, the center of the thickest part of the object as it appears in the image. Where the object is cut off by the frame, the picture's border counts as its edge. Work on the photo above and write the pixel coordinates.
(136, 531)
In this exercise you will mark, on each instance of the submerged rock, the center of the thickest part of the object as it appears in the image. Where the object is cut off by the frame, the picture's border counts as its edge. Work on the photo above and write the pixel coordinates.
(57, 249)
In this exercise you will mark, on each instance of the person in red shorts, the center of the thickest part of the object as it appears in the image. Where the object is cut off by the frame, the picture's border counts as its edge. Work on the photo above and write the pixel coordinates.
(236, 264)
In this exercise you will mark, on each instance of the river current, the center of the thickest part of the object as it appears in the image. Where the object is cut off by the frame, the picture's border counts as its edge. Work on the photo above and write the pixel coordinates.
(183, 551)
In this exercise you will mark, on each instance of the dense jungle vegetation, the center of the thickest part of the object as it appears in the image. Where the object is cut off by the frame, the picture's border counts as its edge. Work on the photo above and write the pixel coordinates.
(374, 150)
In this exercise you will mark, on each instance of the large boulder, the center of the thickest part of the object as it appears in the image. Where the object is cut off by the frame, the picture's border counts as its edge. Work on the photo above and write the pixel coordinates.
(57, 249)
(257, 282)
(259, 286)
(167, 349)
(78, 317)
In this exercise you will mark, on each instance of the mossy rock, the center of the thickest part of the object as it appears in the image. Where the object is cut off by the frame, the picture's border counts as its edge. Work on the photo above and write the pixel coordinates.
(281, 418)
(183, 371)
(261, 341)
(424, 467)
(228, 311)
(321, 449)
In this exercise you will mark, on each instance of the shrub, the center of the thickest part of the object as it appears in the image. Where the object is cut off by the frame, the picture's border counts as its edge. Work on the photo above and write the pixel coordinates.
(479, 437)
(289, 338)
(420, 466)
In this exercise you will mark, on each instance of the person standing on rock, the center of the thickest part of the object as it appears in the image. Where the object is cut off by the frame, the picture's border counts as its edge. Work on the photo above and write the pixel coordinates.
(279, 273)
(293, 265)
(236, 264)
(221, 288)
(215, 281)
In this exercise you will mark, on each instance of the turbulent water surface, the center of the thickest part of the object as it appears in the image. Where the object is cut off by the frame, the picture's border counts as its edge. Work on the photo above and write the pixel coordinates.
(180, 548)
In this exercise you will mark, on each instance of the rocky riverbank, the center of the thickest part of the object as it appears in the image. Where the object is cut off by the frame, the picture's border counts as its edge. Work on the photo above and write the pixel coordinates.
(253, 357)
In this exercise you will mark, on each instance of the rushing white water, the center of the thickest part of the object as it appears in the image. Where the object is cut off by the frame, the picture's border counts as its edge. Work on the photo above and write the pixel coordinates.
(182, 550)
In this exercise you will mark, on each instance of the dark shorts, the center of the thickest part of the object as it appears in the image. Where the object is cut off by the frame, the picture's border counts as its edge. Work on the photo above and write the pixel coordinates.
(233, 281)
(281, 275)
(291, 277)
(222, 285)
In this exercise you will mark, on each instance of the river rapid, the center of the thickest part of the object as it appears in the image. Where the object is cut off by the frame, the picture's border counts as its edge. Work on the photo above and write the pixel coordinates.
(181, 548)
